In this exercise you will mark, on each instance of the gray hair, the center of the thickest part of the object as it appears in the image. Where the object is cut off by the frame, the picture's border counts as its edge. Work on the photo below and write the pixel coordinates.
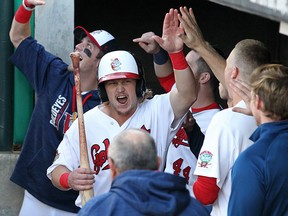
(133, 149)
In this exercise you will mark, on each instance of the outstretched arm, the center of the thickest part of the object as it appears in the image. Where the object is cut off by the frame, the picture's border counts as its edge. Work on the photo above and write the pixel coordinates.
(194, 39)
(184, 95)
(20, 28)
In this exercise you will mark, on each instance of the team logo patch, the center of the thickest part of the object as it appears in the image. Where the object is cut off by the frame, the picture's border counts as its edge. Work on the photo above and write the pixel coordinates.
(115, 64)
(205, 159)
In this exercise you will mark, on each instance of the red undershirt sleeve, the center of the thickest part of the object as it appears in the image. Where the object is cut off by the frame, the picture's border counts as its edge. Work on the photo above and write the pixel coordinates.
(206, 190)
(167, 82)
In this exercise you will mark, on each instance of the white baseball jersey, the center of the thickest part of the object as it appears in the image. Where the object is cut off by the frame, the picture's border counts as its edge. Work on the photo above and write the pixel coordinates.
(180, 160)
(155, 116)
(226, 137)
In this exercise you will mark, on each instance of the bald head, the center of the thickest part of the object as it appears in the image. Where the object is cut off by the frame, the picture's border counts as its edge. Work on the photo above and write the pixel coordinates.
(133, 149)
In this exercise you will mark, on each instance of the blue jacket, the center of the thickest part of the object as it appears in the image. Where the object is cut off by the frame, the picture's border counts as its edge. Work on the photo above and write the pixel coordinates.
(142, 192)
(260, 174)
(51, 117)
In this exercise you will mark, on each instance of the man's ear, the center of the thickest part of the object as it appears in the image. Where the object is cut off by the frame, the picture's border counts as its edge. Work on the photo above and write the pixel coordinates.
(259, 103)
(113, 169)
(235, 72)
(204, 77)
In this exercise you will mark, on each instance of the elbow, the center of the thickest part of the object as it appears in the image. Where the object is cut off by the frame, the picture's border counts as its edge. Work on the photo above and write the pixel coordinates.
(206, 200)
(206, 190)
(15, 40)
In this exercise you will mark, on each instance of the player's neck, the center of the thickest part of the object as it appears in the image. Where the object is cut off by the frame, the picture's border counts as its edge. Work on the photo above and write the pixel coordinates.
(204, 99)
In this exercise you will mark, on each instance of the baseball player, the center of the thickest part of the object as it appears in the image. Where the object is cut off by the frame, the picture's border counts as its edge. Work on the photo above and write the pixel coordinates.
(54, 110)
(180, 160)
(121, 86)
(228, 132)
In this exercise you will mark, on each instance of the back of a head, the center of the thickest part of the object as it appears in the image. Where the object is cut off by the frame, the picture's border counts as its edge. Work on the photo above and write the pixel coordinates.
(213, 83)
(270, 83)
(133, 149)
(250, 54)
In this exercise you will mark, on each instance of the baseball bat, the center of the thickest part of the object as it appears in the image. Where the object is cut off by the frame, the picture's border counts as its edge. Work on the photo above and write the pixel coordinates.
(84, 161)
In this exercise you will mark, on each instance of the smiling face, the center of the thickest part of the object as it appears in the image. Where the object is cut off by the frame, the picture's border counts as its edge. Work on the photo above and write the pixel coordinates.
(122, 96)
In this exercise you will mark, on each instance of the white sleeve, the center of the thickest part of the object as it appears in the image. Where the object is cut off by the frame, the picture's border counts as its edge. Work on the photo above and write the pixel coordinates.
(215, 155)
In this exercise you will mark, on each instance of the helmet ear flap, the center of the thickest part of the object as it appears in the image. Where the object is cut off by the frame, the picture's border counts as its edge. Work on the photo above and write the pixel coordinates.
(102, 93)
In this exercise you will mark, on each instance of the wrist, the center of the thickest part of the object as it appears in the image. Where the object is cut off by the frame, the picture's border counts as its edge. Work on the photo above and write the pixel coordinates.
(23, 15)
(178, 60)
(64, 180)
(161, 57)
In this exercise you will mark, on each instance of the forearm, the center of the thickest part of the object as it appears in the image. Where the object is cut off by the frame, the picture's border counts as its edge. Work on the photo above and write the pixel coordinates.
(185, 93)
(20, 28)
(19, 32)
(56, 175)
(162, 64)
(163, 69)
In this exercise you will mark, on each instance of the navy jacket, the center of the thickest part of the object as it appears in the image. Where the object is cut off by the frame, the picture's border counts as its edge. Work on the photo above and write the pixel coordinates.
(51, 117)
(142, 192)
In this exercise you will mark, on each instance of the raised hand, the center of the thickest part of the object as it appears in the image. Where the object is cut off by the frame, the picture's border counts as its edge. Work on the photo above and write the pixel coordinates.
(147, 43)
(193, 36)
(170, 40)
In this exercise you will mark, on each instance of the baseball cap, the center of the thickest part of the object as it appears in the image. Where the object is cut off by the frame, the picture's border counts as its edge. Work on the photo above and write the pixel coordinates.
(101, 38)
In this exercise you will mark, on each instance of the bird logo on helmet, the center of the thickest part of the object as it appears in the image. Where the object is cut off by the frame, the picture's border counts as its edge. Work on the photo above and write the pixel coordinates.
(120, 65)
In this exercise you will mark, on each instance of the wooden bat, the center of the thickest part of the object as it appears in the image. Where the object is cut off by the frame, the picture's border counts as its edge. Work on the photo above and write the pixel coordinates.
(84, 161)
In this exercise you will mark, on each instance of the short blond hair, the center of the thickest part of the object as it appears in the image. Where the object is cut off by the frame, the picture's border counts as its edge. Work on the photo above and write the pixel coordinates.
(270, 83)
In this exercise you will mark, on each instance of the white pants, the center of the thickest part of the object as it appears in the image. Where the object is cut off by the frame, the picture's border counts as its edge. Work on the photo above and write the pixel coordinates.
(32, 206)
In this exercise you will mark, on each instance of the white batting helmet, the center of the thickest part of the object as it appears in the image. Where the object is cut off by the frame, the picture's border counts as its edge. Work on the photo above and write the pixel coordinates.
(120, 65)
(117, 65)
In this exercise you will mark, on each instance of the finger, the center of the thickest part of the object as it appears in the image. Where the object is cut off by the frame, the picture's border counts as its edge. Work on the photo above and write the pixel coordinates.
(85, 171)
(192, 14)
(136, 40)
(184, 17)
(242, 110)
(238, 89)
(175, 17)
(243, 85)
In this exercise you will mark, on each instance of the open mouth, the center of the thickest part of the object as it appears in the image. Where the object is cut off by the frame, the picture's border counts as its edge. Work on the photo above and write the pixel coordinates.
(122, 99)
